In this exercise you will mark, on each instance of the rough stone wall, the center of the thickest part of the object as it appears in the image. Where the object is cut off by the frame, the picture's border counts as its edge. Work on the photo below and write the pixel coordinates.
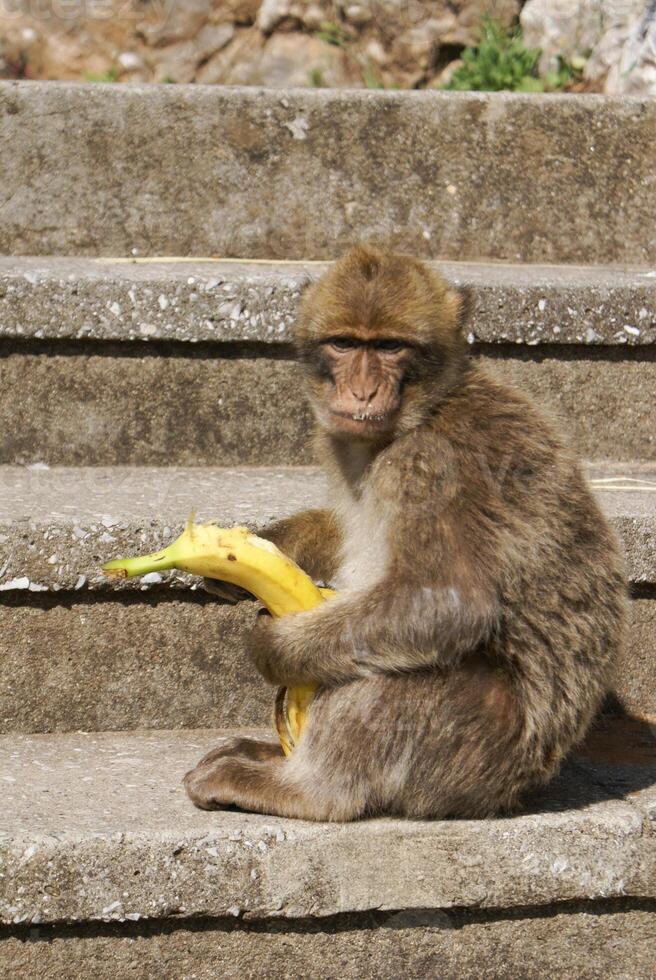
(279, 43)
(322, 43)
(615, 38)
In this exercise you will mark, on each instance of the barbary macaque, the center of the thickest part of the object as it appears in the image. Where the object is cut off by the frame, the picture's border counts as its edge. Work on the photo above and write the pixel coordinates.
(482, 596)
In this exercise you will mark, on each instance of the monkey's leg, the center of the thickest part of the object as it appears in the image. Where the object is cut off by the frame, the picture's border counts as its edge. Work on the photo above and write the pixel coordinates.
(273, 786)
(321, 780)
(249, 748)
(420, 746)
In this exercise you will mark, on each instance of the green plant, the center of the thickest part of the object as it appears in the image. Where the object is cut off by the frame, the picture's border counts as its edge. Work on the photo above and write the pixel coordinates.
(111, 75)
(316, 78)
(333, 33)
(567, 73)
(499, 62)
(371, 77)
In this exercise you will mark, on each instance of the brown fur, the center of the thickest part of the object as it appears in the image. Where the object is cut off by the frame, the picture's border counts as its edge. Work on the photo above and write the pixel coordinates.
(482, 596)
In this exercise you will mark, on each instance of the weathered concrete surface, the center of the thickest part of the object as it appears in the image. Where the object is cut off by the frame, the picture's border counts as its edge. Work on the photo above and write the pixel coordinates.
(154, 663)
(628, 496)
(159, 662)
(605, 403)
(635, 677)
(195, 300)
(615, 751)
(181, 300)
(153, 410)
(166, 407)
(172, 662)
(177, 170)
(97, 827)
(243, 494)
(59, 525)
(583, 941)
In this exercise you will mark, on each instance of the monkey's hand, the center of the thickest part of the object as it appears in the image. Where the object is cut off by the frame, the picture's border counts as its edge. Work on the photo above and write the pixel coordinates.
(286, 651)
(264, 647)
(277, 651)
(225, 590)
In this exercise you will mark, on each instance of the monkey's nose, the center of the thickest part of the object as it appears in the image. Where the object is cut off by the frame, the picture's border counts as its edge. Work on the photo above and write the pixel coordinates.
(365, 381)
(364, 395)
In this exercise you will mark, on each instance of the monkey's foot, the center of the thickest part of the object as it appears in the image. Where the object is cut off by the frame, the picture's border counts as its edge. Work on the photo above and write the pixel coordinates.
(212, 784)
(223, 777)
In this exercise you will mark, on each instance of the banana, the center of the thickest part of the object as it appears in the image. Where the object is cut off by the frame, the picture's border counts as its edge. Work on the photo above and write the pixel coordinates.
(235, 555)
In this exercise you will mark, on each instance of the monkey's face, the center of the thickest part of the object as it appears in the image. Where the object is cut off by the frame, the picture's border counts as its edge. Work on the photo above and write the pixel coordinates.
(380, 337)
(359, 384)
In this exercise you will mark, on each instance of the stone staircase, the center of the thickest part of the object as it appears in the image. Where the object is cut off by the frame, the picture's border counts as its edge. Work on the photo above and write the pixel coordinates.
(135, 388)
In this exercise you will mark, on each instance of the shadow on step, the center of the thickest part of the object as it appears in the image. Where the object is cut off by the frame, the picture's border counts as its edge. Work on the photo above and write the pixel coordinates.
(616, 761)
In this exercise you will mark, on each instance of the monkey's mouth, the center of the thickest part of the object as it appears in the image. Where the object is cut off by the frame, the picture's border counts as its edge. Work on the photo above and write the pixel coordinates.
(362, 419)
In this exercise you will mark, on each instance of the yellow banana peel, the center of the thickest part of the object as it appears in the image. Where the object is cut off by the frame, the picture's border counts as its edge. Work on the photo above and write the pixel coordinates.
(237, 556)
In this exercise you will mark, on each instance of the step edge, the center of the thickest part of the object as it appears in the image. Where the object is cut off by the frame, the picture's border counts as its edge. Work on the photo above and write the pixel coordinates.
(238, 301)
(539, 857)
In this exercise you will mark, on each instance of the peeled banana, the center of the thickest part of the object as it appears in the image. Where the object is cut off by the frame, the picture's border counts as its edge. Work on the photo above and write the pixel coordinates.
(235, 555)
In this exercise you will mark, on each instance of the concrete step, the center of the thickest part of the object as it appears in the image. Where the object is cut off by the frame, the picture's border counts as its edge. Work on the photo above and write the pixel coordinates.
(99, 847)
(192, 300)
(79, 652)
(189, 363)
(176, 170)
(59, 524)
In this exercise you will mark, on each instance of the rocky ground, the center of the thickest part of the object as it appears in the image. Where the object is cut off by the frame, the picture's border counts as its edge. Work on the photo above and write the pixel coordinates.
(322, 43)
(279, 43)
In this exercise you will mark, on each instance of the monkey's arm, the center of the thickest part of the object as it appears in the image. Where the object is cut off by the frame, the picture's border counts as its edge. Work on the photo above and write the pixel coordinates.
(435, 601)
(390, 628)
(311, 538)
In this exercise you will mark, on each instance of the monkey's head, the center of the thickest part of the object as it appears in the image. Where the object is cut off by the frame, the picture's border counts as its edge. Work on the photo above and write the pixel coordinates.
(380, 335)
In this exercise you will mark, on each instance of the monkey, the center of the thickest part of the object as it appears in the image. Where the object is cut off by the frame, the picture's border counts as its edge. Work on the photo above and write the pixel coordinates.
(481, 597)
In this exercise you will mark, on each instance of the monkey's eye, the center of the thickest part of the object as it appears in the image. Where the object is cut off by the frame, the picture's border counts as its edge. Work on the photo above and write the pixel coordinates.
(390, 346)
(343, 343)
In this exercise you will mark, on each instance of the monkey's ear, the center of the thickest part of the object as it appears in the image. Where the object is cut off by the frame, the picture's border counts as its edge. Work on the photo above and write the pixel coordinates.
(459, 302)
(305, 282)
(305, 285)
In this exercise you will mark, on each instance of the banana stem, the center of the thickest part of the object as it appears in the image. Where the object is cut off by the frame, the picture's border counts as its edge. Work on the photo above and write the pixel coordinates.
(158, 561)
